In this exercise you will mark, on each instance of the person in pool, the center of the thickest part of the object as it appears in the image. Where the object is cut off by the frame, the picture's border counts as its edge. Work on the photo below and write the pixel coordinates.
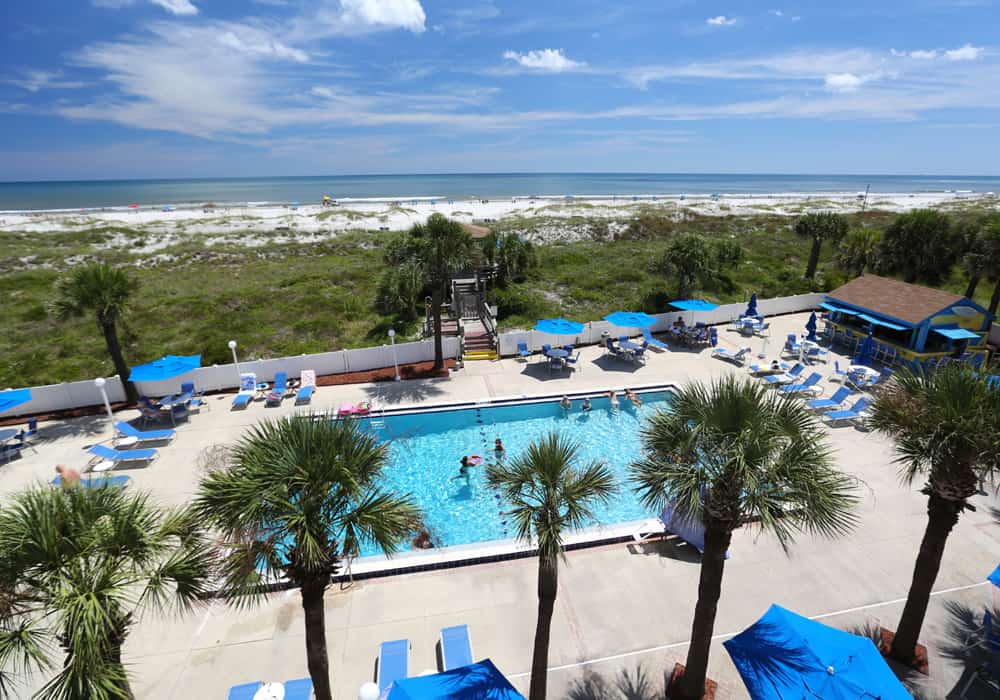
(465, 470)
(613, 398)
(498, 449)
(633, 397)
(586, 404)
(565, 404)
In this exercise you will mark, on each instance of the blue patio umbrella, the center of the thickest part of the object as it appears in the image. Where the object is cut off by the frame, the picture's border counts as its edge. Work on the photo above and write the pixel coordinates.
(811, 327)
(784, 655)
(752, 306)
(473, 682)
(994, 578)
(630, 319)
(864, 355)
(559, 326)
(165, 368)
(693, 305)
(14, 398)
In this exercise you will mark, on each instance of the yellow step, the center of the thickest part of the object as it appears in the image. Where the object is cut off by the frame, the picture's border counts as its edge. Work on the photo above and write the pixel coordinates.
(480, 355)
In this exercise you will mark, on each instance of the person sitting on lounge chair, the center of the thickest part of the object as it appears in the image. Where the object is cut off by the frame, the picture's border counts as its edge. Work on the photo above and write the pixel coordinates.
(68, 475)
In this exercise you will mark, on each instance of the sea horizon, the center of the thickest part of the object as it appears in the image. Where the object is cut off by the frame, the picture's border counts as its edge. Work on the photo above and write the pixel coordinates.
(42, 195)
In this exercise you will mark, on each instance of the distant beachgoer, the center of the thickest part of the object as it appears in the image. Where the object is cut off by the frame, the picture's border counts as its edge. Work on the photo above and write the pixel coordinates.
(631, 396)
(68, 476)
(586, 404)
(565, 404)
(498, 448)
(613, 398)
(423, 540)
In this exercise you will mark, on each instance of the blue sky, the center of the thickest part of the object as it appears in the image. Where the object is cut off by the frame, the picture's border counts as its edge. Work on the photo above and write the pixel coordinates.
(206, 88)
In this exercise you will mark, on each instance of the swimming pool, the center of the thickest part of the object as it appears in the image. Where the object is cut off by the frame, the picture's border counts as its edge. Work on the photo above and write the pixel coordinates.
(426, 450)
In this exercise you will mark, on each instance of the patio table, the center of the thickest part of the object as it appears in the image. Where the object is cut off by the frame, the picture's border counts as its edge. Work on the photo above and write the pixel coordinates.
(558, 353)
(7, 434)
(629, 345)
(174, 400)
(869, 372)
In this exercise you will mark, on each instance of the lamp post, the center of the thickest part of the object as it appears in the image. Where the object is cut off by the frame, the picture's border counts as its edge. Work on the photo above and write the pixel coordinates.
(99, 383)
(392, 342)
(236, 362)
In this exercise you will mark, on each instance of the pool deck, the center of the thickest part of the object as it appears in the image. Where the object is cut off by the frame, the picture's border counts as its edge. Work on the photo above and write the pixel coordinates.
(622, 606)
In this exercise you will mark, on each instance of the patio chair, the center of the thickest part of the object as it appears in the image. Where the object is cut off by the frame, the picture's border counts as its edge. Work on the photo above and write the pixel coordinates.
(653, 342)
(197, 401)
(523, 352)
(246, 691)
(809, 386)
(307, 385)
(126, 430)
(152, 412)
(11, 450)
(248, 388)
(456, 647)
(839, 375)
(573, 360)
(792, 346)
(835, 401)
(277, 393)
(788, 377)
(851, 414)
(112, 458)
(298, 689)
(816, 353)
(393, 663)
(27, 435)
(95, 482)
(762, 329)
(739, 357)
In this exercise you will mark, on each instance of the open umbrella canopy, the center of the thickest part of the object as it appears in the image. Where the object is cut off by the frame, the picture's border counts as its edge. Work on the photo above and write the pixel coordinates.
(559, 326)
(630, 319)
(693, 305)
(472, 682)
(752, 306)
(865, 349)
(164, 368)
(993, 578)
(784, 655)
(11, 399)
(811, 327)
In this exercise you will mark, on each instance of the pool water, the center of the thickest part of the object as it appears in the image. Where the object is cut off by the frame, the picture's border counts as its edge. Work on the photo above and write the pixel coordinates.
(426, 451)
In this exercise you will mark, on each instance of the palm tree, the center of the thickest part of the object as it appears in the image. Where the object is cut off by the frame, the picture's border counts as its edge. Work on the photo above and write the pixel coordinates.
(444, 248)
(857, 251)
(821, 226)
(549, 496)
(946, 426)
(103, 290)
(511, 254)
(78, 566)
(728, 453)
(292, 498)
(982, 258)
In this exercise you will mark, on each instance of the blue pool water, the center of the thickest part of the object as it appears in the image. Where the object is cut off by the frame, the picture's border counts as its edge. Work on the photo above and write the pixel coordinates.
(426, 450)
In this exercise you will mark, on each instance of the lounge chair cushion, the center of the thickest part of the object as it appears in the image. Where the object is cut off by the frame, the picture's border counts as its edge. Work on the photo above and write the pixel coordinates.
(98, 481)
(245, 691)
(456, 647)
(241, 400)
(105, 452)
(393, 662)
(304, 394)
(299, 689)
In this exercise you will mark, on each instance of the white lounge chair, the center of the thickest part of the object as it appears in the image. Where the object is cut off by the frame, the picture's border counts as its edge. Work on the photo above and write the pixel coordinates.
(307, 385)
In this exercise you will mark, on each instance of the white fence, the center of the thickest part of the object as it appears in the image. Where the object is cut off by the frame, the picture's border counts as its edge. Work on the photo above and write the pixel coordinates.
(58, 397)
(593, 330)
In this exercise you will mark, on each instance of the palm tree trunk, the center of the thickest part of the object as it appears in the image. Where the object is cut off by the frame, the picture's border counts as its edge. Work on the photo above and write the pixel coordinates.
(437, 299)
(942, 515)
(115, 350)
(971, 288)
(813, 258)
(316, 656)
(548, 583)
(713, 561)
(995, 299)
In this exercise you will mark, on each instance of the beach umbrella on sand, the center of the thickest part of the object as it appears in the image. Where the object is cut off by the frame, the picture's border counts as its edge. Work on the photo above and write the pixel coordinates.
(784, 655)
(811, 327)
(559, 326)
(752, 306)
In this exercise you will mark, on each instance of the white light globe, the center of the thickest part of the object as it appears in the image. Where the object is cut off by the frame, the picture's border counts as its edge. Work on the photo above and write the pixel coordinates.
(369, 691)
(232, 344)
(99, 382)
(392, 333)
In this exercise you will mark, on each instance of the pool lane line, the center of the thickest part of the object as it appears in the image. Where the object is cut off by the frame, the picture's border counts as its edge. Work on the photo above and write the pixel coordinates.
(674, 645)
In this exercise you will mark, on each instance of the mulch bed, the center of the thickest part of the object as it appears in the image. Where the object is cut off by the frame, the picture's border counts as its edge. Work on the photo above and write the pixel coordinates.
(419, 370)
(920, 663)
(710, 685)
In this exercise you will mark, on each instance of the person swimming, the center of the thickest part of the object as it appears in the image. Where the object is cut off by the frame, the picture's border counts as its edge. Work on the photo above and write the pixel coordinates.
(464, 470)
(565, 404)
(498, 448)
(633, 397)
(586, 404)
(613, 398)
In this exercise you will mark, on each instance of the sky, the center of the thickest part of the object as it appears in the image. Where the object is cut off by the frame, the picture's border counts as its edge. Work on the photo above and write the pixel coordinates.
(104, 89)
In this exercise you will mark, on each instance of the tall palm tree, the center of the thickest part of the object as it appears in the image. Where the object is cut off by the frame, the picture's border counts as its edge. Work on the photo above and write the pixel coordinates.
(946, 426)
(819, 227)
(549, 495)
(78, 567)
(727, 453)
(105, 291)
(444, 248)
(292, 498)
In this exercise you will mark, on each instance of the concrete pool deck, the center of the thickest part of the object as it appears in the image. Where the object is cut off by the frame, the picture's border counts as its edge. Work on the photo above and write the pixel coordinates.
(620, 606)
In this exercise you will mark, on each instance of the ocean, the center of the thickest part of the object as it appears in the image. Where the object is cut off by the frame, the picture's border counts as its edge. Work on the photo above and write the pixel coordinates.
(308, 190)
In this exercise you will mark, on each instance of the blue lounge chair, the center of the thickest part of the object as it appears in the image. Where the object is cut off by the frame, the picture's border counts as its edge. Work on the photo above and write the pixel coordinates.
(809, 386)
(765, 368)
(127, 430)
(307, 385)
(835, 401)
(522, 351)
(244, 692)
(851, 414)
(739, 357)
(11, 450)
(117, 456)
(98, 481)
(197, 401)
(456, 647)
(248, 387)
(788, 377)
(792, 346)
(393, 663)
(277, 393)
(242, 400)
(838, 374)
(653, 342)
(299, 689)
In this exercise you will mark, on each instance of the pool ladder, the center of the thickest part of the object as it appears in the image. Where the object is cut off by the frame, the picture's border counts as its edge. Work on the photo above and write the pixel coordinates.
(378, 417)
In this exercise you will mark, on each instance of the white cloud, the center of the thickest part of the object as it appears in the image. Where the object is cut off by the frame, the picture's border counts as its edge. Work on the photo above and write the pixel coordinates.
(776, 13)
(36, 80)
(968, 52)
(258, 43)
(924, 55)
(177, 7)
(843, 82)
(546, 60)
(348, 17)
(721, 21)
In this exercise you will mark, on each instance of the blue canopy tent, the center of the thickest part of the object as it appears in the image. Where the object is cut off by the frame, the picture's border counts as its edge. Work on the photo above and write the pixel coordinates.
(693, 305)
(12, 399)
(472, 682)
(559, 326)
(630, 319)
(752, 306)
(784, 655)
(166, 367)
(865, 349)
(811, 327)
